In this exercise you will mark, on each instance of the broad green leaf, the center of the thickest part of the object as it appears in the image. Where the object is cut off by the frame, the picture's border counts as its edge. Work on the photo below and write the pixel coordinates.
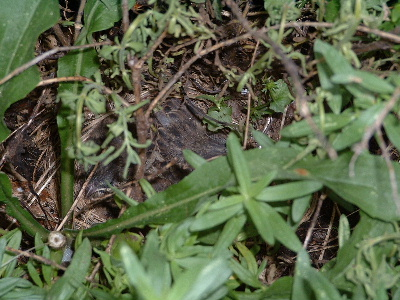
(354, 132)
(101, 15)
(225, 202)
(332, 10)
(201, 282)
(280, 96)
(330, 123)
(74, 276)
(77, 63)
(288, 191)
(22, 21)
(310, 283)
(335, 64)
(14, 209)
(239, 165)
(369, 189)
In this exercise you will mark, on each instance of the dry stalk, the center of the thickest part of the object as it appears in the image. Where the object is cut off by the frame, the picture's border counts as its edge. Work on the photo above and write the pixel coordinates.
(314, 221)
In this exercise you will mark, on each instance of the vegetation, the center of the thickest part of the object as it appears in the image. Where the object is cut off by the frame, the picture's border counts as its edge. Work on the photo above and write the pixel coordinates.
(239, 226)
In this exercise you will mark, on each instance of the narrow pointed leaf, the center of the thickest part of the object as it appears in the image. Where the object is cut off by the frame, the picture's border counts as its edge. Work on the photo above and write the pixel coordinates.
(239, 164)
(288, 191)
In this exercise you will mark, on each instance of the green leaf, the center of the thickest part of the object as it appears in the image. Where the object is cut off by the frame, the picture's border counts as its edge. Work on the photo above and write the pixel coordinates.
(280, 96)
(239, 165)
(34, 274)
(231, 230)
(262, 139)
(47, 270)
(245, 275)
(137, 275)
(332, 10)
(299, 207)
(333, 58)
(330, 123)
(367, 80)
(9, 261)
(258, 214)
(100, 15)
(344, 230)
(193, 159)
(369, 188)
(271, 226)
(332, 63)
(392, 129)
(74, 276)
(22, 21)
(10, 283)
(288, 191)
(311, 284)
(256, 188)
(251, 262)
(355, 131)
(215, 217)
(224, 114)
(204, 282)
(174, 204)
(367, 228)
(156, 264)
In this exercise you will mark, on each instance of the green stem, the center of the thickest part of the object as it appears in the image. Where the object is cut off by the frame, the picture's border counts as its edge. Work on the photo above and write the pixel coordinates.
(67, 164)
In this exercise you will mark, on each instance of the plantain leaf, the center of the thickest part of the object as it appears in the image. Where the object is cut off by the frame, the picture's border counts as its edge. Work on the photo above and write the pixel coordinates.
(22, 21)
